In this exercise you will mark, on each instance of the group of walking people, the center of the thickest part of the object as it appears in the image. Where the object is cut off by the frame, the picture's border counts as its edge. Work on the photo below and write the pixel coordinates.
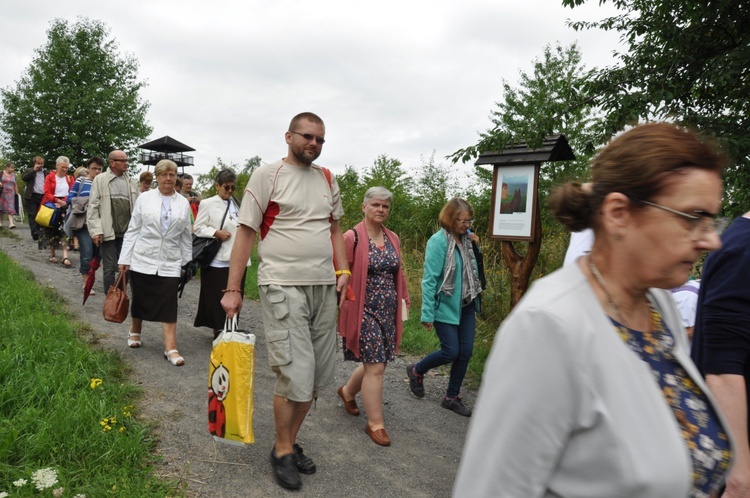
(68, 195)
(589, 389)
(317, 281)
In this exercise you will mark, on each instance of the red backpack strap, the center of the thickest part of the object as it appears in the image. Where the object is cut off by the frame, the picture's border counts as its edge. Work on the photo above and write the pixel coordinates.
(327, 174)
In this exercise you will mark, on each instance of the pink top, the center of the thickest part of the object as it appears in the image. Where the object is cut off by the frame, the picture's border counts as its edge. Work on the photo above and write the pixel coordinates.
(350, 316)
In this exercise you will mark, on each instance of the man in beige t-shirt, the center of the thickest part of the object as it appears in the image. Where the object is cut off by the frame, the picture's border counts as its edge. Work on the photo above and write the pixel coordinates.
(295, 206)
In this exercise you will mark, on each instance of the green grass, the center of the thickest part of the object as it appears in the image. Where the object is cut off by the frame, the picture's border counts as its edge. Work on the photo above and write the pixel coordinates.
(50, 417)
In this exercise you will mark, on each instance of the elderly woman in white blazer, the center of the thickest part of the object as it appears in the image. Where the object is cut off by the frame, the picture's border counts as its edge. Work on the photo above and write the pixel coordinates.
(589, 390)
(155, 247)
(217, 217)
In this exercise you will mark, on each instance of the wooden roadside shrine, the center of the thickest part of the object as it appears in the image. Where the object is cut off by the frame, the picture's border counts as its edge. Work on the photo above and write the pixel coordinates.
(514, 212)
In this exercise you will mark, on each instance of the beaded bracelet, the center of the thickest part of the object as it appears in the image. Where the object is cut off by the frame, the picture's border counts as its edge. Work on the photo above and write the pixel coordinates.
(231, 290)
(343, 272)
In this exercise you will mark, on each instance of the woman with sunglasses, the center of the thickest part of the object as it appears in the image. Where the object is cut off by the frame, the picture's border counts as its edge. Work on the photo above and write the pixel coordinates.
(450, 301)
(217, 217)
(589, 389)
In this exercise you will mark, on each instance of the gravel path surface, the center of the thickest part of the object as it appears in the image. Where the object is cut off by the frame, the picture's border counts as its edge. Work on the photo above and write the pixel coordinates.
(426, 439)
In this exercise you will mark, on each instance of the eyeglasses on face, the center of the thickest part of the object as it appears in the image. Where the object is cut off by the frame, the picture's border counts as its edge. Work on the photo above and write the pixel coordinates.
(466, 223)
(229, 188)
(701, 223)
(309, 137)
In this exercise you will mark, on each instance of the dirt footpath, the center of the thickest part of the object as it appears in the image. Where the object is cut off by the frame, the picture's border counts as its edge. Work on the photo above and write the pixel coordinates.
(426, 439)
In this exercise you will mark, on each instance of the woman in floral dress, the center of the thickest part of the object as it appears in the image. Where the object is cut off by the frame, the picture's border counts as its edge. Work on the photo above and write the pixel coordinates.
(8, 196)
(371, 320)
(589, 389)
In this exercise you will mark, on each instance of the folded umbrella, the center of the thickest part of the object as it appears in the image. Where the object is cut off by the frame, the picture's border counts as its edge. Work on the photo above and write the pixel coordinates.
(93, 266)
(188, 272)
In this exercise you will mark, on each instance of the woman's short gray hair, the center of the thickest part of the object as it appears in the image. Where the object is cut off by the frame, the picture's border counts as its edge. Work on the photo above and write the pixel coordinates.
(163, 166)
(62, 160)
(377, 193)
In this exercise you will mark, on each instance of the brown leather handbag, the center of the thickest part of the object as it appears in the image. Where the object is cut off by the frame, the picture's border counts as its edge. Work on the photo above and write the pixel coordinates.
(117, 304)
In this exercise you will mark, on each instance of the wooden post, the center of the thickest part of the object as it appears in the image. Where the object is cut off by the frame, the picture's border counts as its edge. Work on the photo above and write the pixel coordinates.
(521, 267)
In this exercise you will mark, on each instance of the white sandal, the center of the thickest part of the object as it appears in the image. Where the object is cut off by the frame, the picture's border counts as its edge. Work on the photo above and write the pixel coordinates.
(177, 361)
(134, 343)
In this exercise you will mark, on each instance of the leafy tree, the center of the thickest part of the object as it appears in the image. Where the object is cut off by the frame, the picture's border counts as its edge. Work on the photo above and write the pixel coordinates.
(251, 165)
(686, 62)
(352, 192)
(389, 173)
(431, 192)
(549, 101)
(205, 183)
(78, 98)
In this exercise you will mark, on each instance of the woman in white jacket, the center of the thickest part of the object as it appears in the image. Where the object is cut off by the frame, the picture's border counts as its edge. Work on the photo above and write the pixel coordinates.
(155, 247)
(589, 390)
(217, 217)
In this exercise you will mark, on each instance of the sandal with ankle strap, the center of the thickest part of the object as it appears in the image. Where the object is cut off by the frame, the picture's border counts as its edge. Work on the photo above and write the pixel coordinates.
(66, 263)
(177, 361)
(133, 343)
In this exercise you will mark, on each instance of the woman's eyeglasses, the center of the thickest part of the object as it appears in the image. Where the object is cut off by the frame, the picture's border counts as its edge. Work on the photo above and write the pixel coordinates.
(466, 223)
(701, 223)
(229, 188)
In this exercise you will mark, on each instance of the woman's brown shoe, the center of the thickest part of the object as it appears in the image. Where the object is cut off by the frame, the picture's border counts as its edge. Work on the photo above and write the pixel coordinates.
(378, 437)
(349, 406)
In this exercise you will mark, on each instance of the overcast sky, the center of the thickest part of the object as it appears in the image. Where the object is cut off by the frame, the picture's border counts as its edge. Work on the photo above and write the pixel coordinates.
(404, 78)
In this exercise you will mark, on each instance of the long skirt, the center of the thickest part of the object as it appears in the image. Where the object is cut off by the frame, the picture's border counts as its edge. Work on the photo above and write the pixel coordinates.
(154, 297)
(54, 237)
(210, 313)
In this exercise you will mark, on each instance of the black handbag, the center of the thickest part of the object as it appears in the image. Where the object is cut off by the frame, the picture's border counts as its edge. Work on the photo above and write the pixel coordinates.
(205, 249)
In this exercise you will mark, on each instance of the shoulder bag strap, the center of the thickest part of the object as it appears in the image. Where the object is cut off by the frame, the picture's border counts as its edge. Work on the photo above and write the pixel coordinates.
(225, 215)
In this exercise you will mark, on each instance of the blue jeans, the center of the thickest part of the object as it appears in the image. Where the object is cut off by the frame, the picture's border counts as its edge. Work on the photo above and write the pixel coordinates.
(85, 248)
(456, 345)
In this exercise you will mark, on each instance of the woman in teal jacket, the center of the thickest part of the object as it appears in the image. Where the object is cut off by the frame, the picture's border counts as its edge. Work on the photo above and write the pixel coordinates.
(450, 291)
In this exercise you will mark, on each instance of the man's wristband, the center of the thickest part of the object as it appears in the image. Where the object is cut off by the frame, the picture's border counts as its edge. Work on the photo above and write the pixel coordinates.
(231, 290)
(343, 272)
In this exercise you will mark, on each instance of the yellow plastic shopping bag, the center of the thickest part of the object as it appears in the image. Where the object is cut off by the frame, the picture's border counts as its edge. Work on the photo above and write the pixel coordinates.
(230, 386)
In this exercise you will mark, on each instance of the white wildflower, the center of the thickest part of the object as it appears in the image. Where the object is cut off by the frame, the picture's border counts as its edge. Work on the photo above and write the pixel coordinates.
(58, 492)
(80, 495)
(3, 494)
(20, 482)
(44, 478)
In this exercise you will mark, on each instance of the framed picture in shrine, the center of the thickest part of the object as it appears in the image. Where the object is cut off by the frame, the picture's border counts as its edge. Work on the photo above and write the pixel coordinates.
(514, 202)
